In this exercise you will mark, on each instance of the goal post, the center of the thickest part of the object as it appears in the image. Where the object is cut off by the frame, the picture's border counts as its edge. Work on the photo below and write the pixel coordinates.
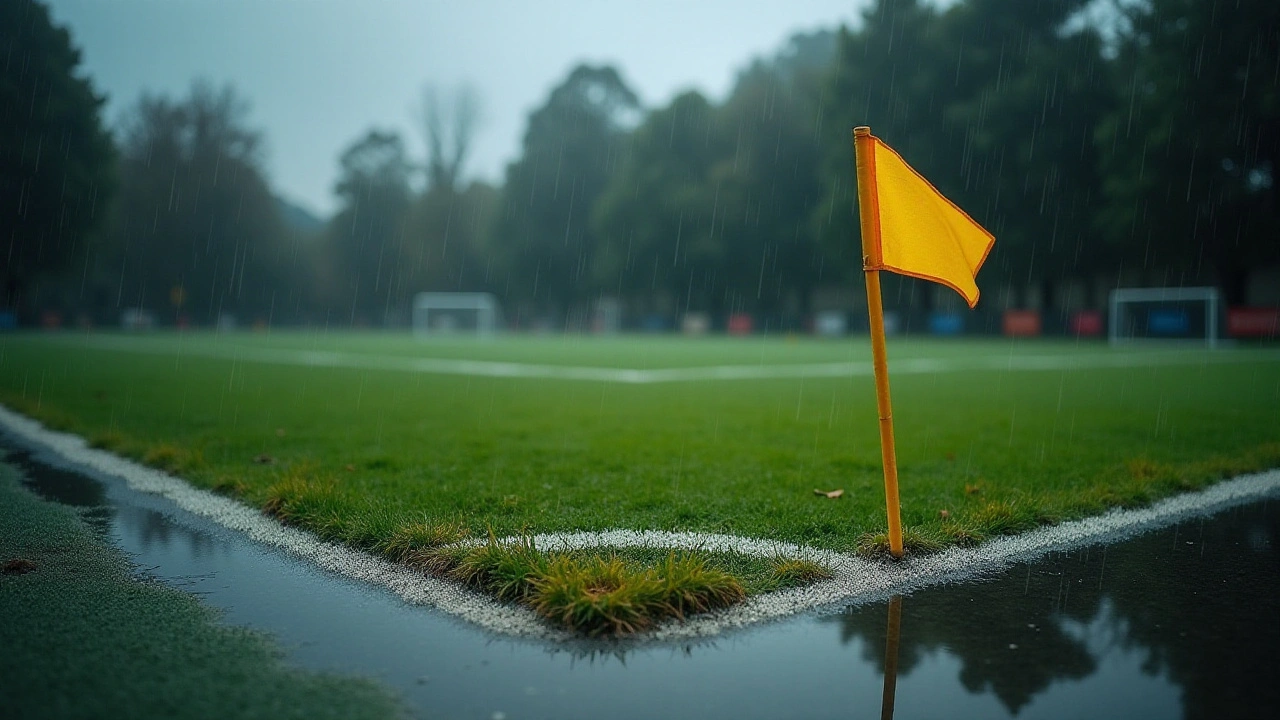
(1172, 313)
(442, 313)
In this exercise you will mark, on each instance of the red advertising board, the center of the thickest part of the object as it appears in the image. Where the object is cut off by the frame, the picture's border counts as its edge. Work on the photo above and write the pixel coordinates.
(1253, 322)
(740, 324)
(1021, 323)
(1086, 323)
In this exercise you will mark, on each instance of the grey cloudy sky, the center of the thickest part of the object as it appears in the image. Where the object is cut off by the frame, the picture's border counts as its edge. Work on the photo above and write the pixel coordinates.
(318, 73)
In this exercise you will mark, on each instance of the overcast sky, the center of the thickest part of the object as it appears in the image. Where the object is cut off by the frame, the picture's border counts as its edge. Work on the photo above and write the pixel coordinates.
(318, 73)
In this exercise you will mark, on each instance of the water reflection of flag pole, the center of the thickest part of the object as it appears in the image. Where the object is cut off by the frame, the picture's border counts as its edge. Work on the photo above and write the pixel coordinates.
(891, 658)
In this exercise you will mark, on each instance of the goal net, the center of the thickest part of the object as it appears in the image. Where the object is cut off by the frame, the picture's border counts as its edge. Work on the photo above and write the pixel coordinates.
(1186, 313)
(437, 313)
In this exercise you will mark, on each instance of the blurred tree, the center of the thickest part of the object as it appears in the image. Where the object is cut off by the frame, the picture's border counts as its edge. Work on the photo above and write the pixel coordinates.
(655, 218)
(1191, 150)
(574, 143)
(56, 174)
(1031, 89)
(448, 225)
(772, 181)
(888, 74)
(997, 106)
(448, 134)
(302, 259)
(448, 233)
(196, 232)
(368, 235)
(711, 205)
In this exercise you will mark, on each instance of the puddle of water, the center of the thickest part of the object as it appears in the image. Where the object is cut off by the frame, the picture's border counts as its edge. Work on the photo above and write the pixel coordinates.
(1184, 621)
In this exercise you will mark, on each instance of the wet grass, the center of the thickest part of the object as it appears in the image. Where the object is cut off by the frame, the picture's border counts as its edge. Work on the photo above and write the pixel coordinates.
(383, 460)
(596, 592)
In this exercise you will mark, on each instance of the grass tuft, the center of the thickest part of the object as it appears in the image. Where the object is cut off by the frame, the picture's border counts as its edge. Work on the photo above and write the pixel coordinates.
(1004, 517)
(915, 541)
(172, 458)
(301, 500)
(598, 596)
(591, 593)
(606, 596)
(506, 571)
(689, 586)
(438, 561)
(107, 440)
(50, 416)
(412, 540)
(230, 485)
(794, 572)
(1143, 469)
(961, 533)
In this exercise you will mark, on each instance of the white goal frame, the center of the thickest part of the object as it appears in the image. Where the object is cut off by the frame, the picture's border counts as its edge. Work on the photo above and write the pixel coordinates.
(485, 306)
(1122, 296)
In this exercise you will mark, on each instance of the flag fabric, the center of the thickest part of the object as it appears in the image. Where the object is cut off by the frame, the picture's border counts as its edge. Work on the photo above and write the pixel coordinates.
(922, 233)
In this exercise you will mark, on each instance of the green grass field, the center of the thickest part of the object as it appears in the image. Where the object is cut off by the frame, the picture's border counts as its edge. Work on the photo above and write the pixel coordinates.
(345, 435)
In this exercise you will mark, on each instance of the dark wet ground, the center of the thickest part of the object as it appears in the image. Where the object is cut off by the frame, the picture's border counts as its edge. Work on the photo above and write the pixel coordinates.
(1182, 622)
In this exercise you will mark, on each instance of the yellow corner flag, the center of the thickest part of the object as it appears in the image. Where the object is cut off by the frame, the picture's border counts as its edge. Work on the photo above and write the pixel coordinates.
(918, 232)
(909, 228)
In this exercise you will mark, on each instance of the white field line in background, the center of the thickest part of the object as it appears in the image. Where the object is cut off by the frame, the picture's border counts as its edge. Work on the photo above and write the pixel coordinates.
(630, 376)
(855, 580)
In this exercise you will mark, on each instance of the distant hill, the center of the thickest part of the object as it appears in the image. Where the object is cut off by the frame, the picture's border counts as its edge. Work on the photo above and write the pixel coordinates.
(298, 218)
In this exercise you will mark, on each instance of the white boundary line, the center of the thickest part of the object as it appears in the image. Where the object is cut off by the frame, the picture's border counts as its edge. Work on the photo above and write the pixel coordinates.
(855, 580)
(632, 376)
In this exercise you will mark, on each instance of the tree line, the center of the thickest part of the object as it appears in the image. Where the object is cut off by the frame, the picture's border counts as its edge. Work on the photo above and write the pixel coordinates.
(1103, 143)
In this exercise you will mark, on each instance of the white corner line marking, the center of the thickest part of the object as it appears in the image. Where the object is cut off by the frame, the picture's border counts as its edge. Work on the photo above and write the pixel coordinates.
(855, 580)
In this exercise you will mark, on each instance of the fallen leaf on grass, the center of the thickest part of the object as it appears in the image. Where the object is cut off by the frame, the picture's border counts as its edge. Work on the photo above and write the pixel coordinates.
(832, 494)
(19, 566)
(944, 514)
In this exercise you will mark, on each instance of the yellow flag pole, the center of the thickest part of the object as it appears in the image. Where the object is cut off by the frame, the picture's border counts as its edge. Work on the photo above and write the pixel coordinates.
(869, 216)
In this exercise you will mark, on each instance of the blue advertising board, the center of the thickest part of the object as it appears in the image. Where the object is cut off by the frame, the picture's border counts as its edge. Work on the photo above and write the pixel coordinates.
(1168, 322)
(946, 323)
